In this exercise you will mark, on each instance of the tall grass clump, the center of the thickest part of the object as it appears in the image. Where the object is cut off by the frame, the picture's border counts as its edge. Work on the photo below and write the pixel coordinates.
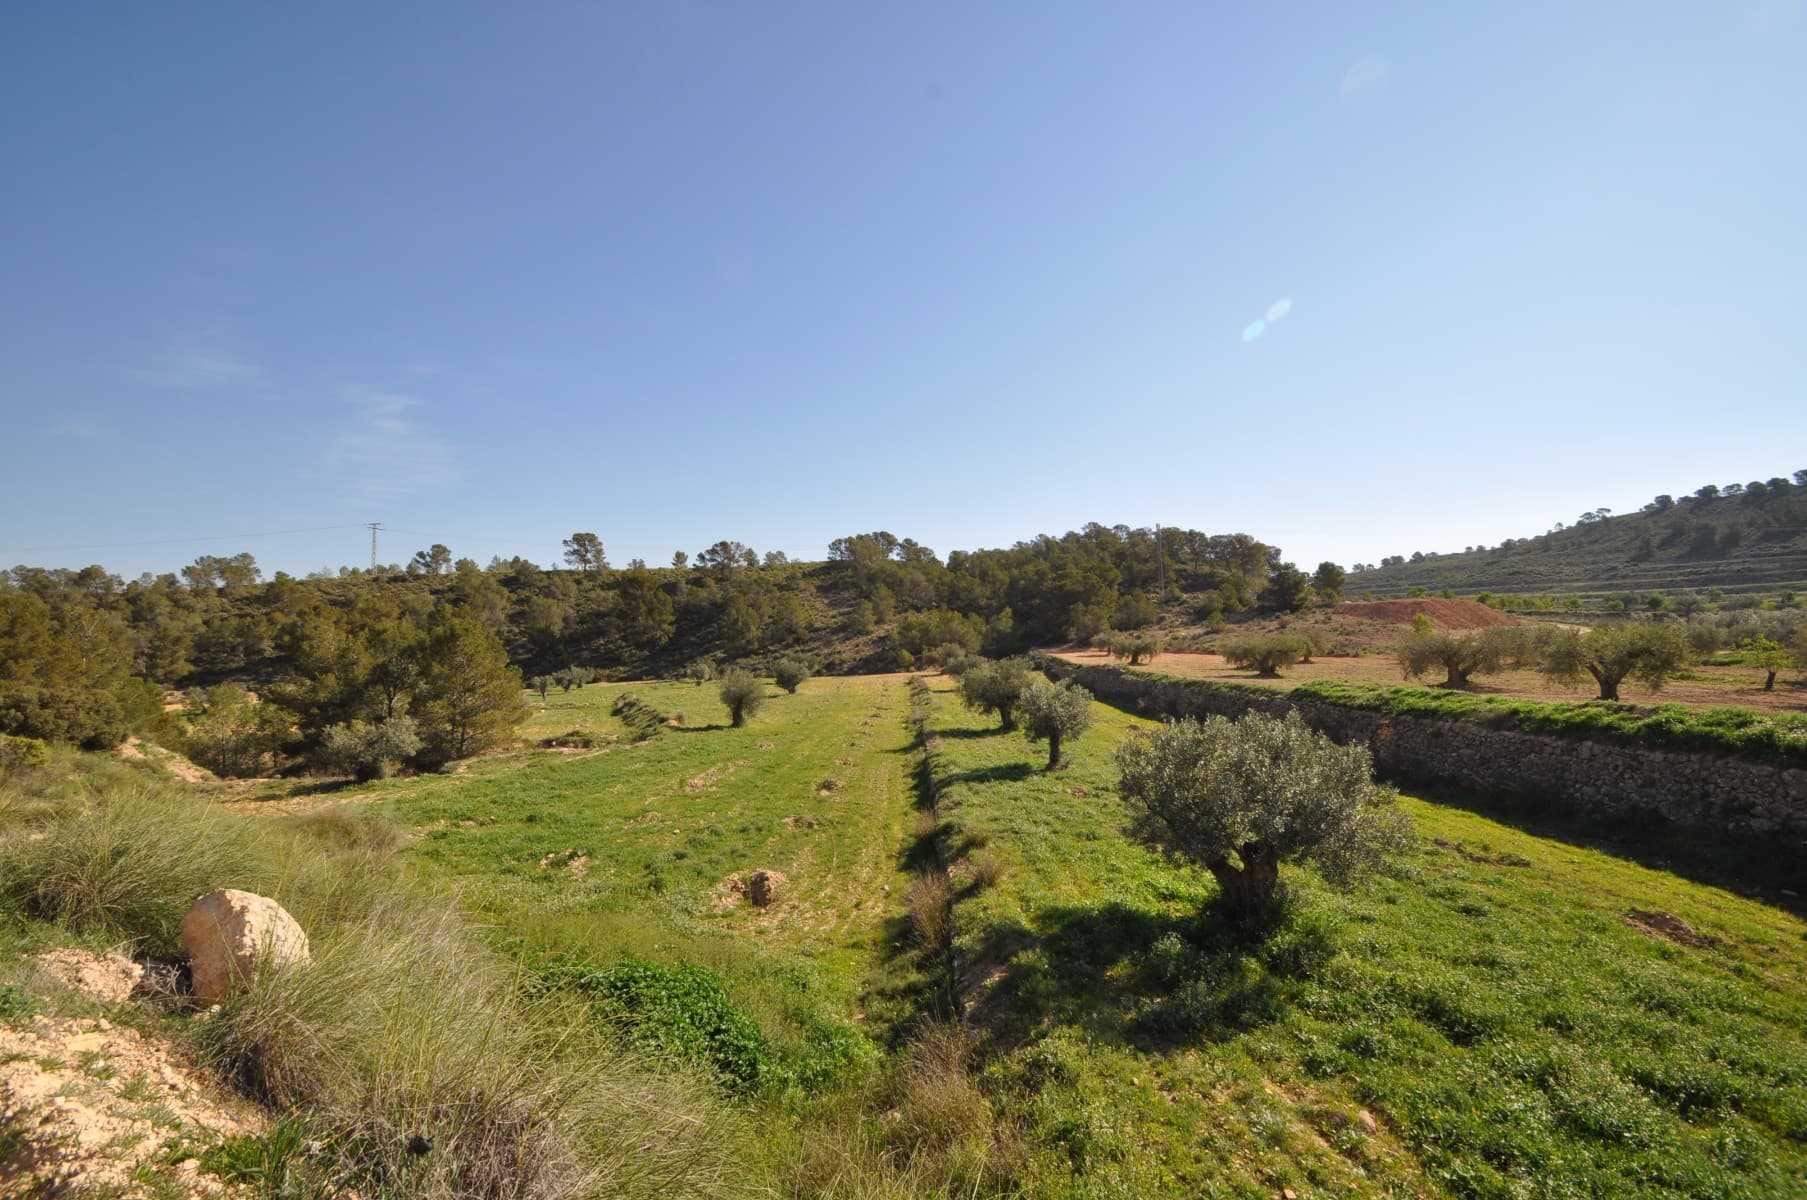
(126, 860)
(413, 1055)
(424, 1070)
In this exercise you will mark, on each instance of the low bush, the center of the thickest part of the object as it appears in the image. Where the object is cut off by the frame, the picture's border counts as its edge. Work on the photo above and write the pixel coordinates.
(682, 1013)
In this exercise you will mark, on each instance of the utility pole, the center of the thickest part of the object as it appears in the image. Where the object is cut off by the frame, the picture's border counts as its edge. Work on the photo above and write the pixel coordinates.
(373, 526)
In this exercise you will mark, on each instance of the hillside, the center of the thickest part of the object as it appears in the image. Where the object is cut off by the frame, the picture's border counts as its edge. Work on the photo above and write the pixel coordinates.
(1744, 538)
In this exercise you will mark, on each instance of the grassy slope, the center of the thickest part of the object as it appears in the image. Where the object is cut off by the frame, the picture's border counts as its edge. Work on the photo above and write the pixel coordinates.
(1506, 1030)
(628, 847)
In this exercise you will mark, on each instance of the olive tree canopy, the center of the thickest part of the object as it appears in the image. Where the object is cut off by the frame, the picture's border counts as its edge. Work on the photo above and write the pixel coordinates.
(1242, 797)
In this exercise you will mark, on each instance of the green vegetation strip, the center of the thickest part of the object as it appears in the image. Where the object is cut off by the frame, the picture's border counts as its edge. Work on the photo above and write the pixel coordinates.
(1740, 731)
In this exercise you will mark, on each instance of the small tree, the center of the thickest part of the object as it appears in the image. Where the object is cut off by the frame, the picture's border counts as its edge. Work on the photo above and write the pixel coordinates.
(541, 684)
(368, 751)
(1457, 655)
(1056, 714)
(1768, 656)
(1243, 797)
(1288, 589)
(1265, 654)
(1327, 581)
(699, 671)
(1138, 647)
(584, 552)
(790, 673)
(1611, 653)
(1313, 641)
(743, 693)
(996, 687)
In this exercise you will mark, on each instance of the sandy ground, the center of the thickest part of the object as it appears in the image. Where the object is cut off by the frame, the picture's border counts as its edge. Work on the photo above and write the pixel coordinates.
(93, 1104)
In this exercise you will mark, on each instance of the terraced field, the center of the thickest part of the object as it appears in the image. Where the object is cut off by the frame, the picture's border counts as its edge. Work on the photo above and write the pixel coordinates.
(1504, 1015)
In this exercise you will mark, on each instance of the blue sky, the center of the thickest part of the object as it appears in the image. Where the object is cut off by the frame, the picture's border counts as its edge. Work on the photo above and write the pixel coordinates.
(686, 271)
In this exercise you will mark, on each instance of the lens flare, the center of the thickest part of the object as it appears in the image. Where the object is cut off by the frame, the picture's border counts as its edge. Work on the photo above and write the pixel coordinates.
(1255, 330)
(1278, 309)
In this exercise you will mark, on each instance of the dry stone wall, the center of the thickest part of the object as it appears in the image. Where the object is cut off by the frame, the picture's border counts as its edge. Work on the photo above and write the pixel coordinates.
(1599, 778)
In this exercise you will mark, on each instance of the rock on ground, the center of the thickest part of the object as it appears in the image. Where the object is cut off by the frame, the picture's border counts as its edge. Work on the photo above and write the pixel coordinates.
(229, 933)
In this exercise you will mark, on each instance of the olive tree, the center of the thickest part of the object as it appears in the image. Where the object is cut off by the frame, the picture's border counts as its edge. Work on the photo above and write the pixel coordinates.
(1611, 653)
(1265, 654)
(790, 673)
(743, 693)
(996, 687)
(1138, 647)
(1056, 714)
(1768, 656)
(368, 750)
(1243, 797)
(1457, 655)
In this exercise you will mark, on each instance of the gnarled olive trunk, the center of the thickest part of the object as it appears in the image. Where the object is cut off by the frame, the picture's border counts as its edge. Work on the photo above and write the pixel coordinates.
(1053, 751)
(1249, 890)
(1609, 682)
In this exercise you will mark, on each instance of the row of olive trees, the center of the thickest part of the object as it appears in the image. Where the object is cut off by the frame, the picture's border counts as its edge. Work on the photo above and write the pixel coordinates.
(1606, 655)
(1238, 797)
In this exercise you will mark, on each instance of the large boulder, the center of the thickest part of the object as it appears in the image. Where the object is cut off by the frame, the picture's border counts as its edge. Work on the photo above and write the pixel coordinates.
(228, 934)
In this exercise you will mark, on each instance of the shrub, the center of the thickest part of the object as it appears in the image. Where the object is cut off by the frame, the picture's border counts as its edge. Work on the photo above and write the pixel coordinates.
(1056, 714)
(682, 1013)
(22, 754)
(699, 671)
(743, 694)
(1243, 797)
(1265, 654)
(791, 673)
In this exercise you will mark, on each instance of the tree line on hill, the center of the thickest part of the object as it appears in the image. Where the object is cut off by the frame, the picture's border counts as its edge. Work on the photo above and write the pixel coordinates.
(422, 663)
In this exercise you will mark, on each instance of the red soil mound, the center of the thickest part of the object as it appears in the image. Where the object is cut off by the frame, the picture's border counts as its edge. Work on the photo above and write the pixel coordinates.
(1445, 614)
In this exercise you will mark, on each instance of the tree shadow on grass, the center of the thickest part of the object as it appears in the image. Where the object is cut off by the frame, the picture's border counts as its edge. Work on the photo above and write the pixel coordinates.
(710, 728)
(1002, 773)
(1759, 867)
(964, 733)
(1144, 978)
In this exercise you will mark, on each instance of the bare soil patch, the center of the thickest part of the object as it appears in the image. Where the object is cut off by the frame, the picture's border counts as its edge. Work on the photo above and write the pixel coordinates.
(1668, 926)
(1445, 614)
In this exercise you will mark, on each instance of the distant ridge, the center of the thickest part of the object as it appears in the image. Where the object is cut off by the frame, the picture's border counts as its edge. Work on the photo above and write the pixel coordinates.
(1742, 538)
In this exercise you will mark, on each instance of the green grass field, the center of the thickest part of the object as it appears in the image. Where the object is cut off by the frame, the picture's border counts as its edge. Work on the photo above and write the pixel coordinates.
(1502, 1015)
(636, 847)
(1487, 1021)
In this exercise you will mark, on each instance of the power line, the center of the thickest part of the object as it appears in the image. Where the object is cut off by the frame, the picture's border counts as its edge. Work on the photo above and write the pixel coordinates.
(211, 537)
